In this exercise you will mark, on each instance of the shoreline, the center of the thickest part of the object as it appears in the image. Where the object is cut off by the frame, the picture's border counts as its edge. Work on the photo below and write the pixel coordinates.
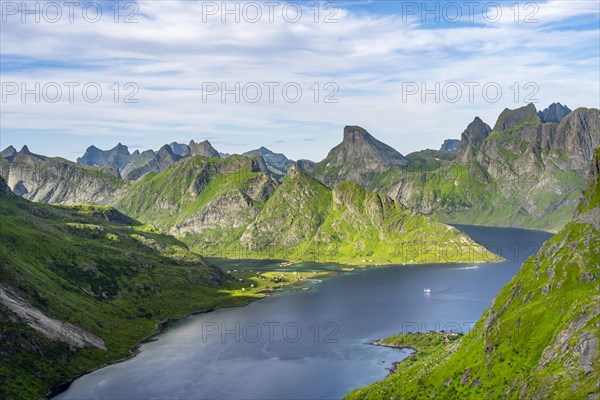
(366, 263)
(395, 364)
(160, 328)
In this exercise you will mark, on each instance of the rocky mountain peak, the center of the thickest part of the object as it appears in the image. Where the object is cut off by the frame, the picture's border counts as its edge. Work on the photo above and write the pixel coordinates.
(166, 151)
(180, 149)
(477, 130)
(513, 118)
(450, 145)
(117, 157)
(203, 149)
(294, 172)
(25, 150)
(8, 153)
(360, 147)
(356, 133)
(554, 113)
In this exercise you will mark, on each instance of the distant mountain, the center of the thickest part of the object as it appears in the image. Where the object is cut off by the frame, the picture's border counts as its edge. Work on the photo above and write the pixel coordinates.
(134, 166)
(450, 145)
(203, 149)
(117, 157)
(306, 165)
(515, 350)
(555, 113)
(277, 163)
(182, 150)
(356, 158)
(56, 180)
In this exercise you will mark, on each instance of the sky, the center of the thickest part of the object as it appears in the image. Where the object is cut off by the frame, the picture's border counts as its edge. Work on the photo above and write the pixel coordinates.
(285, 75)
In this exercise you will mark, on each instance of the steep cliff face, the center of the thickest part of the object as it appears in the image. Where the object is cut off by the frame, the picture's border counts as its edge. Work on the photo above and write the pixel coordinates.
(515, 350)
(56, 180)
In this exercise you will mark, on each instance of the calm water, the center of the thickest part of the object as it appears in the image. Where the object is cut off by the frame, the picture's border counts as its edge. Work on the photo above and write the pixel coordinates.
(311, 345)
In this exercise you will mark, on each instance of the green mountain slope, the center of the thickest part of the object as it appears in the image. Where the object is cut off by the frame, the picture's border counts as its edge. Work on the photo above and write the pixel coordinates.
(227, 207)
(539, 339)
(81, 285)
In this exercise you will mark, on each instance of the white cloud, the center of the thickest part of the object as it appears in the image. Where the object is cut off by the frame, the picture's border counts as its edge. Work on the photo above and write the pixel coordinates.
(369, 56)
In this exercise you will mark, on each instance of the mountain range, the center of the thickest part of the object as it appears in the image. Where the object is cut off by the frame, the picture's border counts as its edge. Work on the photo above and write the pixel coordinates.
(526, 171)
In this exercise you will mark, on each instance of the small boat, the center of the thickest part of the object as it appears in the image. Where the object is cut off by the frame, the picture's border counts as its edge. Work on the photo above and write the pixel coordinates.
(427, 290)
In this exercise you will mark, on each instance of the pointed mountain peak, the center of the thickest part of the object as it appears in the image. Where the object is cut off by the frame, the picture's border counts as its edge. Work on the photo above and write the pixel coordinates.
(8, 153)
(354, 133)
(360, 153)
(477, 130)
(25, 150)
(120, 148)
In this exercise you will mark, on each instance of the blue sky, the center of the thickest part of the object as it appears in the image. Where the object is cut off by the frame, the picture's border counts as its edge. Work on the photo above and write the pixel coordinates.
(374, 57)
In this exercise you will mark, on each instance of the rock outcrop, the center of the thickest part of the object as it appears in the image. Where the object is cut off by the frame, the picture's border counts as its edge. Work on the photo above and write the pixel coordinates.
(554, 113)
(203, 149)
(450, 146)
(52, 328)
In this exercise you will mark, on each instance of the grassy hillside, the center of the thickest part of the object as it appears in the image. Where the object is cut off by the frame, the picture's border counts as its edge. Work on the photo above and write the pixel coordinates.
(539, 338)
(227, 208)
(99, 270)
